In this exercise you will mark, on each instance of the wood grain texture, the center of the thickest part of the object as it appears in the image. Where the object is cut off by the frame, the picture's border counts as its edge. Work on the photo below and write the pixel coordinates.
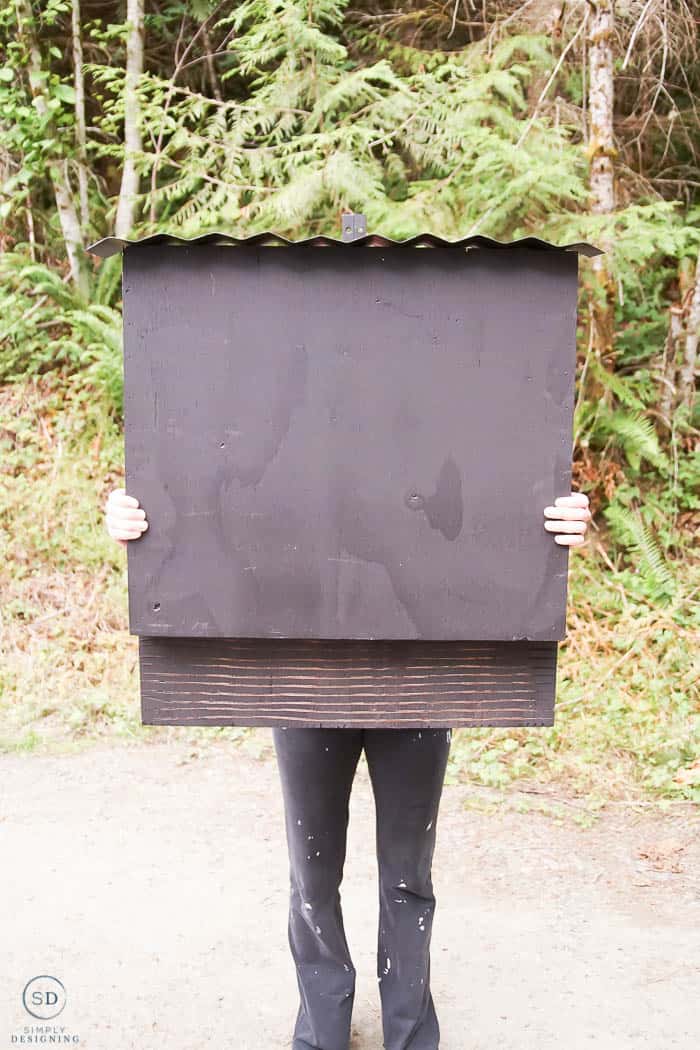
(274, 682)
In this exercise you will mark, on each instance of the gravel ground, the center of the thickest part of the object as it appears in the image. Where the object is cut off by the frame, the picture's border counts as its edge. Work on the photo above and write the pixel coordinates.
(152, 881)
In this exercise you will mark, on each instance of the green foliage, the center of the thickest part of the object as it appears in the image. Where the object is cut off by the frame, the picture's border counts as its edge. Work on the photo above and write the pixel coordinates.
(317, 109)
(318, 133)
(47, 327)
(635, 434)
(97, 345)
(640, 235)
(654, 575)
(38, 122)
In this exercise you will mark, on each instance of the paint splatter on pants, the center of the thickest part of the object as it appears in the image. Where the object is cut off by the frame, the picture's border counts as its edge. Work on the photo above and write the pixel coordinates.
(407, 769)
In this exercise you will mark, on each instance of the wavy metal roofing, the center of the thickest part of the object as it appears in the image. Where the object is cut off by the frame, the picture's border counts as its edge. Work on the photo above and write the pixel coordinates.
(112, 245)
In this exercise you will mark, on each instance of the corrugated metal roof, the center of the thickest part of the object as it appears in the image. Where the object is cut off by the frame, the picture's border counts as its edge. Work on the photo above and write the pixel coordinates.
(111, 245)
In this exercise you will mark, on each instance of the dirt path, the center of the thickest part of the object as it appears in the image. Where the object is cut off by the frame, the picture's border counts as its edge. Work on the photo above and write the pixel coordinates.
(154, 886)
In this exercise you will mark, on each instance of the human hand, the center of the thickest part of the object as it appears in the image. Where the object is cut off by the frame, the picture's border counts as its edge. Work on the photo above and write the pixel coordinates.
(569, 518)
(124, 519)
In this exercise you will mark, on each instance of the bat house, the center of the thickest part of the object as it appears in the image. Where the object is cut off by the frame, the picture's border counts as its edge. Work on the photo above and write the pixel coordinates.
(344, 456)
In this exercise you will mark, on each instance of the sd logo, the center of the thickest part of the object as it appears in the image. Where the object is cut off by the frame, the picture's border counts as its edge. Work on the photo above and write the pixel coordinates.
(44, 997)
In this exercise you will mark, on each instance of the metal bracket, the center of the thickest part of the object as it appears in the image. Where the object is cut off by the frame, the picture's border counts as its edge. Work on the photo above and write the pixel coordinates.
(354, 226)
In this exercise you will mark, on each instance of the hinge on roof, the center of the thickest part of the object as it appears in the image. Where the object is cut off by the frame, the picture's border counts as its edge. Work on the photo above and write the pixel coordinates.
(354, 226)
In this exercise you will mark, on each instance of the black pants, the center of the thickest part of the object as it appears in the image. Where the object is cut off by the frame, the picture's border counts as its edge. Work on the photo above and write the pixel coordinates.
(407, 769)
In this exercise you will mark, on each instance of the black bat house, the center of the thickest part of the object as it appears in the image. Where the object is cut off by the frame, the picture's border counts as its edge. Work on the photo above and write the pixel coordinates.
(344, 456)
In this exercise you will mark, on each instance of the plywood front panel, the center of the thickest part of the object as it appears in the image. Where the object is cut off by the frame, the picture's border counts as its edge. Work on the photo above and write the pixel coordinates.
(347, 443)
(261, 682)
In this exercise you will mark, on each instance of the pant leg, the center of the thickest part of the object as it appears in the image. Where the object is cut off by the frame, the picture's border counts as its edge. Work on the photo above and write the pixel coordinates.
(407, 769)
(317, 767)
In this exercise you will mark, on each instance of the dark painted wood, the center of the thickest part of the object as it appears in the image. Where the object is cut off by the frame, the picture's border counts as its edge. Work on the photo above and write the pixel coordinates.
(262, 682)
(348, 443)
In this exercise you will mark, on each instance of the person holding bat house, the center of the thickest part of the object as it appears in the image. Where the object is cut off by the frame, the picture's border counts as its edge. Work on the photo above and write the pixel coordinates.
(407, 769)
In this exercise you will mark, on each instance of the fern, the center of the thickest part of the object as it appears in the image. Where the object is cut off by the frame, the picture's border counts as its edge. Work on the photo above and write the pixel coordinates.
(658, 581)
(317, 132)
(99, 329)
(46, 326)
(45, 281)
(621, 388)
(107, 283)
(636, 435)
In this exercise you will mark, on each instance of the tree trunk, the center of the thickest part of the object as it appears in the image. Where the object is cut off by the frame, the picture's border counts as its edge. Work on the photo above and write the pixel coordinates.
(668, 393)
(80, 134)
(57, 166)
(677, 381)
(128, 192)
(601, 151)
(686, 384)
(31, 235)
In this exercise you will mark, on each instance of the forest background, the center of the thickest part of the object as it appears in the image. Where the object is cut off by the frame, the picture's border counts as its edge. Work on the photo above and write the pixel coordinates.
(571, 120)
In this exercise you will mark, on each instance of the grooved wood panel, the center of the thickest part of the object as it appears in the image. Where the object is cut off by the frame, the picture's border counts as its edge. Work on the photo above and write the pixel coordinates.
(272, 682)
(348, 443)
